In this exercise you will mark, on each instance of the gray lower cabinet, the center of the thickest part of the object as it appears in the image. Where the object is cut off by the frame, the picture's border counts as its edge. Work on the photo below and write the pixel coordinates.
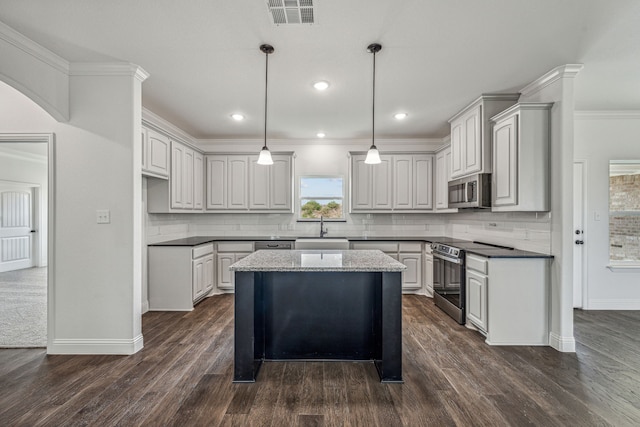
(508, 299)
(228, 253)
(428, 270)
(179, 276)
(408, 253)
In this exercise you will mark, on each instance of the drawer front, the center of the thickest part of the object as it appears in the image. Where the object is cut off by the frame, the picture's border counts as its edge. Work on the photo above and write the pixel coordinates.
(410, 247)
(202, 250)
(235, 247)
(478, 264)
(381, 246)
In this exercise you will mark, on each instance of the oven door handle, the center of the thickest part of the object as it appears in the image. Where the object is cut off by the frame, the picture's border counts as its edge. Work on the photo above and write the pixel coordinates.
(446, 258)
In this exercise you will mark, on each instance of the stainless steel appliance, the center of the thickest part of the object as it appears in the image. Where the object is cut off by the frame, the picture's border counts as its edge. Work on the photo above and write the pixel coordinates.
(273, 244)
(449, 280)
(471, 192)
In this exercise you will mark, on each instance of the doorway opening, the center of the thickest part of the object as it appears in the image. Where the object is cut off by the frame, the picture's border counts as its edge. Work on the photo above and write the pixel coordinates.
(26, 195)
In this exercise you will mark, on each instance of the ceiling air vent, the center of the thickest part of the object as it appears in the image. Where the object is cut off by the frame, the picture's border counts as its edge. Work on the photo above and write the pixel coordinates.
(291, 11)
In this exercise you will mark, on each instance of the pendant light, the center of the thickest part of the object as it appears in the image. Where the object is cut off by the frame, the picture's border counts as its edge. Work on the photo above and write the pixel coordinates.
(373, 156)
(265, 154)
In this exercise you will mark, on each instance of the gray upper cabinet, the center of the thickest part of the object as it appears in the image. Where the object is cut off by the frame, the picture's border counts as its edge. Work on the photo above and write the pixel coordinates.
(442, 177)
(370, 184)
(155, 154)
(227, 182)
(520, 179)
(236, 183)
(402, 182)
(183, 191)
(271, 186)
(471, 134)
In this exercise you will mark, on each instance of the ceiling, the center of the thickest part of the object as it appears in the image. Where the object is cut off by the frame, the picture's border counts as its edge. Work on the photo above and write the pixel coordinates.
(437, 56)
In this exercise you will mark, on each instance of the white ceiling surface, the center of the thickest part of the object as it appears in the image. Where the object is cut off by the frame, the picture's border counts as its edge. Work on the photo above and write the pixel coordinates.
(437, 56)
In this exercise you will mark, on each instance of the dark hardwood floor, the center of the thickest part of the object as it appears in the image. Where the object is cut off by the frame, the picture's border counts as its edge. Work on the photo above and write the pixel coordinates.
(183, 377)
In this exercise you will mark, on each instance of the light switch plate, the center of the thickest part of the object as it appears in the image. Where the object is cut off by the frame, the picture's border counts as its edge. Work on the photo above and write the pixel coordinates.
(103, 216)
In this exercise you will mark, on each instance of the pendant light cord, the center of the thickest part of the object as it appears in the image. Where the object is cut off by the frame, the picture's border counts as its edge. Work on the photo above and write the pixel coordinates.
(266, 81)
(373, 108)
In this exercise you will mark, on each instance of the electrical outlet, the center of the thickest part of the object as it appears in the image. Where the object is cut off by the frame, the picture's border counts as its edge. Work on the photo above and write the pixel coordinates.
(103, 216)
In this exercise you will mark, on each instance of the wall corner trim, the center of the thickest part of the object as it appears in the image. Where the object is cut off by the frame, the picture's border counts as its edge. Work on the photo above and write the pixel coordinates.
(562, 344)
(560, 72)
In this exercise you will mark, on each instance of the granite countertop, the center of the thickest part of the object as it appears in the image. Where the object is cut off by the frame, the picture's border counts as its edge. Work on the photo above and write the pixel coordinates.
(506, 253)
(200, 240)
(318, 260)
(468, 246)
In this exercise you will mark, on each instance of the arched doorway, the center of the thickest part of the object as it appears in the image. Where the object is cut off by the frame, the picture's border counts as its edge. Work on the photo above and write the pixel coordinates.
(26, 223)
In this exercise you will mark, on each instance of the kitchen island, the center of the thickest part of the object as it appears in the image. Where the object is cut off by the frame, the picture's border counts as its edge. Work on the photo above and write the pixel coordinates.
(318, 305)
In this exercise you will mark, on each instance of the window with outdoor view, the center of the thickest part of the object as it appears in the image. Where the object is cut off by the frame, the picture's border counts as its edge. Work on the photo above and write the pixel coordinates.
(624, 212)
(321, 196)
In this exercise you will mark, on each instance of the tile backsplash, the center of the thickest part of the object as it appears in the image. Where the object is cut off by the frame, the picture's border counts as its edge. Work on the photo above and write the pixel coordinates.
(527, 231)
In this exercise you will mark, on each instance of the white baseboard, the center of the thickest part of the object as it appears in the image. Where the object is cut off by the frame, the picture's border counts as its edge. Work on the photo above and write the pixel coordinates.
(563, 344)
(96, 346)
(613, 304)
(145, 306)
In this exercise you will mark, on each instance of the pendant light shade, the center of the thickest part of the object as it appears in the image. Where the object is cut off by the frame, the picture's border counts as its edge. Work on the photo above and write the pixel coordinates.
(265, 154)
(373, 156)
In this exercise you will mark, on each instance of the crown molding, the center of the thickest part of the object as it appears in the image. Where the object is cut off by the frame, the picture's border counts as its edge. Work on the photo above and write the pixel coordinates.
(32, 48)
(607, 115)
(327, 141)
(107, 69)
(560, 72)
(151, 119)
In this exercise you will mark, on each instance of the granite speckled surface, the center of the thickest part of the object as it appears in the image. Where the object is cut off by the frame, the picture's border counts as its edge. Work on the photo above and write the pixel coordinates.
(318, 260)
(468, 246)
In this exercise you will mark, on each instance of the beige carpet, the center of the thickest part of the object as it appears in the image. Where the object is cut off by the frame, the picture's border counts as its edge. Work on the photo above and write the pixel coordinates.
(23, 308)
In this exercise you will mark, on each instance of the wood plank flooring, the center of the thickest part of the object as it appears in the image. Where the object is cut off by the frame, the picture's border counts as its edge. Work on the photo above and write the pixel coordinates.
(183, 377)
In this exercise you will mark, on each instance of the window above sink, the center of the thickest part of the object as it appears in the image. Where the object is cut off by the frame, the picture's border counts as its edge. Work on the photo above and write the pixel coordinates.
(321, 195)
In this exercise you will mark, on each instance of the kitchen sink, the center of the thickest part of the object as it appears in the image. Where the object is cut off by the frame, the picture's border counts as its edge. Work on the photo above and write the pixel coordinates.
(321, 243)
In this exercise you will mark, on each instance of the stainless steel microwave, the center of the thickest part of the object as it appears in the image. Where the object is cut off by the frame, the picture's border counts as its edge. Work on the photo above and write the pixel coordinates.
(471, 192)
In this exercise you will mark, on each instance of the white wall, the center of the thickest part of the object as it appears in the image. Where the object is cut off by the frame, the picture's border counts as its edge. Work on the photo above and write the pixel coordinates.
(600, 137)
(95, 285)
(31, 168)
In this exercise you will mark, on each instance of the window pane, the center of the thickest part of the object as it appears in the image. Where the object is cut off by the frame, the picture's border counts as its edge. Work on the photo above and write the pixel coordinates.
(321, 187)
(624, 212)
(314, 208)
(321, 196)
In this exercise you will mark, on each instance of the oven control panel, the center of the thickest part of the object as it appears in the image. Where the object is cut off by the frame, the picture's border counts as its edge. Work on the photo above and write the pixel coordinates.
(446, 250)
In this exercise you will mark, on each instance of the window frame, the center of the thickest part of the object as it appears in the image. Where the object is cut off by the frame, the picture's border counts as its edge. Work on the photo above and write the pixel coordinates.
(299, 198)
(615, 264)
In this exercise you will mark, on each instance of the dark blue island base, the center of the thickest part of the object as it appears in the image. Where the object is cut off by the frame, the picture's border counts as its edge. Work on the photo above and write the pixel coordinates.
(318, 316)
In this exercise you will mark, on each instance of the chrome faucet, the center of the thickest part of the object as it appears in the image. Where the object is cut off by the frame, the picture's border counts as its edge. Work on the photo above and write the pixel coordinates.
(323, 230)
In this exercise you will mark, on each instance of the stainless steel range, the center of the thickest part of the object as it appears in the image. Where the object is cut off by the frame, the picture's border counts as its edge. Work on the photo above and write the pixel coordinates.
(449, 280)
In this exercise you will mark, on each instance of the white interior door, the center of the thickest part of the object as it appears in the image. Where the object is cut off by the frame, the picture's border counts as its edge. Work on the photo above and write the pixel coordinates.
(16, 237)
(578, 234)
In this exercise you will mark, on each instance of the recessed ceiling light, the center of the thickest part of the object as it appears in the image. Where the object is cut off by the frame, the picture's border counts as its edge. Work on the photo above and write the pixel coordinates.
(400, 116)
(237, 116)
(321, 85)
(321, 135)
